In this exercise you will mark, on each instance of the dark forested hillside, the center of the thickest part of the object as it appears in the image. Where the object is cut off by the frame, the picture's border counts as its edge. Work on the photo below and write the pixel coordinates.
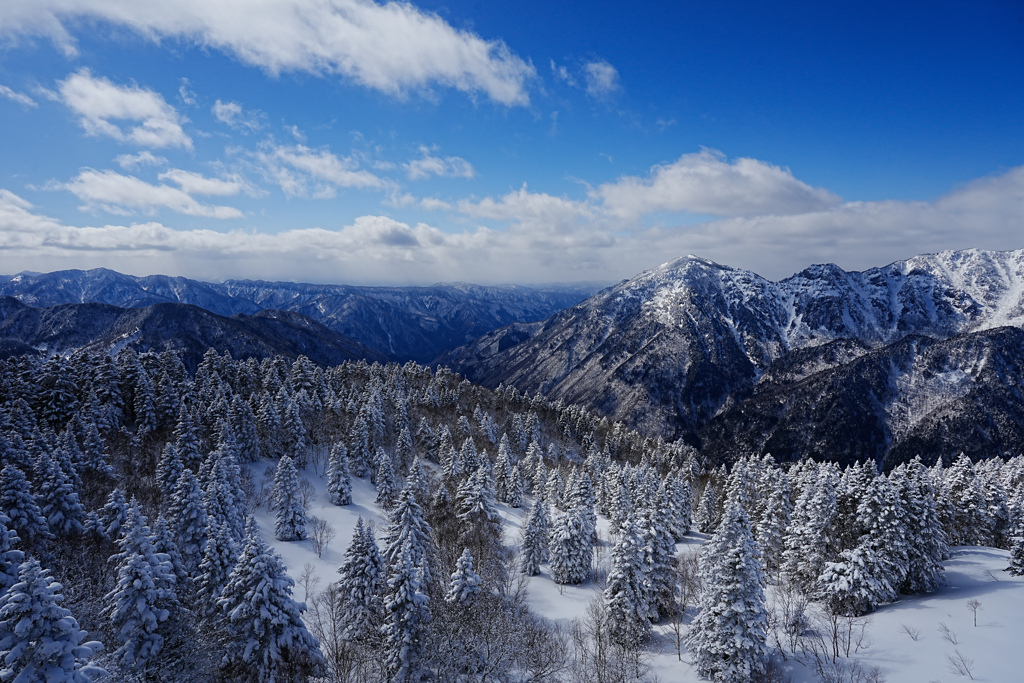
(190, 330)
(401, 323)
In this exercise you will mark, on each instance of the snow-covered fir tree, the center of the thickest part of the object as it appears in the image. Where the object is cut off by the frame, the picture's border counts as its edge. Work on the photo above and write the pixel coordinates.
(339, 479)
(219, 556)
(361, 585)
(143, 594)
(625, 594)
(188, 520)
(268, 641)
(10, 556)
(408, 527)
(407, 610)
(18, 503)
(290, 524)
(39, 639)
(464, 586)
(533, 550)
(58, 500)
(569, 546)
(728, 636)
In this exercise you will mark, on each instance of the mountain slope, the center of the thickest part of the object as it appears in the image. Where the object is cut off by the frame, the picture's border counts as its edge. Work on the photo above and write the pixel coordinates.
(403, 323)
(916, 396)
(181, 327)
(671, 348)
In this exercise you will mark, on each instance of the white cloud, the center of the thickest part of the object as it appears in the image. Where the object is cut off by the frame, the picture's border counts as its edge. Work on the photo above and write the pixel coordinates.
(194, 183)
(394, 47)
(130, 162)
(186, 94)
(100, 103)
(304, 172)
(706, 183)
(232, 114)
(428, 165)
(552, 239)
(531, 209)
(602, 79)
(121, 194)
(18, 97)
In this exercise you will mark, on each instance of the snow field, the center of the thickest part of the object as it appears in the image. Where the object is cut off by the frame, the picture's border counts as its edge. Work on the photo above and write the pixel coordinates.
(993, 651)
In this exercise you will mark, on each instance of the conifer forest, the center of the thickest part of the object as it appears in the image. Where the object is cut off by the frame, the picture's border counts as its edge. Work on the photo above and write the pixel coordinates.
(131, 544)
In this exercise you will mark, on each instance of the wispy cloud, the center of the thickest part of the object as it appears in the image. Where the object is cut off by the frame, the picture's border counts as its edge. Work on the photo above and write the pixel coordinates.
(101, 107)
(394, 47)
(130, 162)
(18, 97)
(120, 194)
(301, 171)
(232, 115)
(428, 165)
(602, 79)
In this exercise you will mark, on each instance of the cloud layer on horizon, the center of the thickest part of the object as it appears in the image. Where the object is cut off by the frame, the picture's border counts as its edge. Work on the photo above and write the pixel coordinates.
(985, 213)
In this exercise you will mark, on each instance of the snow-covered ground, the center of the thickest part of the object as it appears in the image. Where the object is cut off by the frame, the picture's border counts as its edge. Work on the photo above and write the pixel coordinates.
(994, 648)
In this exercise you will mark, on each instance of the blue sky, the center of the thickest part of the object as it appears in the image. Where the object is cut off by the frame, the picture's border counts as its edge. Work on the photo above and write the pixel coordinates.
(348, 141)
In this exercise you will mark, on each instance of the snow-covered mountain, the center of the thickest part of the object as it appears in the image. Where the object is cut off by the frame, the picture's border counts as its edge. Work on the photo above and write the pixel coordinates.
(673, 347)
(403, 323)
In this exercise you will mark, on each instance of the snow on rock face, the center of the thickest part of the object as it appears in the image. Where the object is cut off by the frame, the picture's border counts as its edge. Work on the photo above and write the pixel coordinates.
(676, 345)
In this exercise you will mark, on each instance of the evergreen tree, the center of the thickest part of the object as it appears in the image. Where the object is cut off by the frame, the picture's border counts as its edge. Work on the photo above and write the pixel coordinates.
(707, 511)
(408, 613)
(810, 543)
(166, 547)
(926, 537)
(188, 520)
(728, 635)
(168, 471)
(10, 556)
(219, 558)
(385, 480)
(58, 499)
(657, 556)
(856, 584)
(339, 480)
(533, 550)
(268, 639)
(569, 545)
(113, 514)
(408, 527)
(39, 639)
(143, 594)
(625, 595)
(1016, 567)
(361, 585)
(775, 520)
(18, 503)
(464, 587)
(291, 514)
(969, 523)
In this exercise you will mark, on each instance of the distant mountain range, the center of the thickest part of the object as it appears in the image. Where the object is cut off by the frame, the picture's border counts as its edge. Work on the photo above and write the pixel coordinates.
(888, 362)
(187, 329)
(920, 357)
(401, 323)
